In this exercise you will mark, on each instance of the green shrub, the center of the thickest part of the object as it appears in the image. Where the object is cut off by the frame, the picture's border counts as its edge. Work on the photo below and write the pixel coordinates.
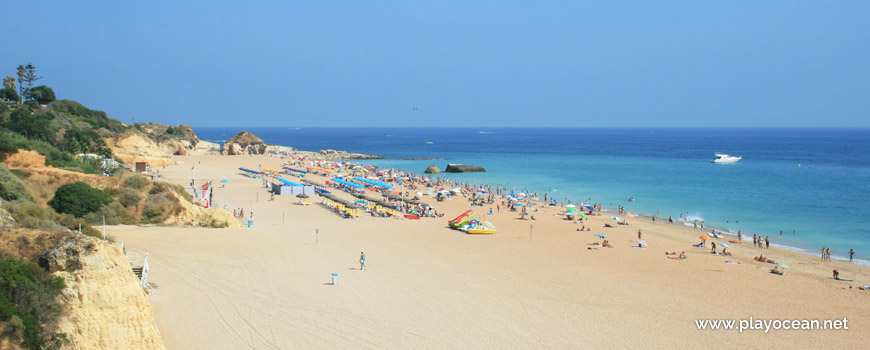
(31, 215)
(129, 197)
(20, 173)
(28, 302)
(112, 192)
(11, 186)
(78, 199)
(153, 214)
(115, 214)
(135, 181)
(157, 188)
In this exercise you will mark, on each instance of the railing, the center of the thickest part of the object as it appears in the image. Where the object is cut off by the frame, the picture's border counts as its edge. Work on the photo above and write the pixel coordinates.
(139, 264)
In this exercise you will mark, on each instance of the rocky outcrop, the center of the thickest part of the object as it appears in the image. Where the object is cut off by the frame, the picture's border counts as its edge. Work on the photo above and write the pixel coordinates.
(462, 168)
(105, 305)
(248, 143)
(432, 169)
(189, 148)
(279, 149)
(244, 143)
(155, 143)
(134, 147)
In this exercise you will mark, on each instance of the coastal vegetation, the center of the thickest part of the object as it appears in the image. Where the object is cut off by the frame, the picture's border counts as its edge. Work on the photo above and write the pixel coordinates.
(28, 302)
(78, 199)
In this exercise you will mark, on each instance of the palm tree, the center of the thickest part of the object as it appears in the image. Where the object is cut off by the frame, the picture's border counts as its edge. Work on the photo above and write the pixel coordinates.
(21, 73)
(9, 82)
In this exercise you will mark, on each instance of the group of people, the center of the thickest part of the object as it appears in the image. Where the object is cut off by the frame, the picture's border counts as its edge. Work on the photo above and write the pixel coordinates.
(240, 214)
(761, 243)
(826, 254)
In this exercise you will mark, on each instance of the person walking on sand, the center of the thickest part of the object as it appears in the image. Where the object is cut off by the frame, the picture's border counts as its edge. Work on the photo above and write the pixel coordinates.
(823, 253)
(828, 253)
(638, 234)
(362, 260)
(851, 255)
(767, 242)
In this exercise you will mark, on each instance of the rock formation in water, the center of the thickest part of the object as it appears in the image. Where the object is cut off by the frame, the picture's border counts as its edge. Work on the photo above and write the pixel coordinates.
(432, 169)
(462, 168)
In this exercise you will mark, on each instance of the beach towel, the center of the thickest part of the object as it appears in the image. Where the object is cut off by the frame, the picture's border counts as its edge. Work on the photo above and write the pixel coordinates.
(698, 245)
(637, 248)
(733, 262)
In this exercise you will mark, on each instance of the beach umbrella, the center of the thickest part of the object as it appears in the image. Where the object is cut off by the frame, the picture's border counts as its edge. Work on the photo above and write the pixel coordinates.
(614, 218)
(704, 237)
(302, 195)
(225, 180)
(783, 266)
(569, 205)
(642, 242)
(581, 214)
(571, 209)
(724, 244)
(518, 204)
(601, 235)
(630, 215)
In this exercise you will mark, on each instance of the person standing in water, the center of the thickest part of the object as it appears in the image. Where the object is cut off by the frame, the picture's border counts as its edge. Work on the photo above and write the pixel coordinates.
(362, 260)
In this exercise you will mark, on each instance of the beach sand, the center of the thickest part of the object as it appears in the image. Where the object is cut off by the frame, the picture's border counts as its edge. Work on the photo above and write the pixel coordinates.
(427, 286)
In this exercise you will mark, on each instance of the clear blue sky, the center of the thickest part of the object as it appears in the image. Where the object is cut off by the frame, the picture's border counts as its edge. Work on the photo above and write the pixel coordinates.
(464, 63)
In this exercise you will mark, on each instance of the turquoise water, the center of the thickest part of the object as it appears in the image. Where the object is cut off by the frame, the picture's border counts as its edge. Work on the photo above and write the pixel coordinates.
(814, 182)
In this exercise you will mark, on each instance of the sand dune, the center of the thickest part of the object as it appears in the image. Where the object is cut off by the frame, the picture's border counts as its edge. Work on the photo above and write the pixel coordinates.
(427, 286)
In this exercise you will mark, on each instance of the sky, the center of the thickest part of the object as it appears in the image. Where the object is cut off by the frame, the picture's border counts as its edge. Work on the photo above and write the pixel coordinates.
(461, 63)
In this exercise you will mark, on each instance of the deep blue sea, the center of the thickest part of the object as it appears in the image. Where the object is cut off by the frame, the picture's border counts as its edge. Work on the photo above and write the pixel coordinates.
(811, 184)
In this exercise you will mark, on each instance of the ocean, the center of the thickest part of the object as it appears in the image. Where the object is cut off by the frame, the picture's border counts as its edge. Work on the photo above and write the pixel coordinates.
(811, 184)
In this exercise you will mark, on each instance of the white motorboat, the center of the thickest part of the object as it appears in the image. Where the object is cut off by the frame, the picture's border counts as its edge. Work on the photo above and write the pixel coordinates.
(724, 158)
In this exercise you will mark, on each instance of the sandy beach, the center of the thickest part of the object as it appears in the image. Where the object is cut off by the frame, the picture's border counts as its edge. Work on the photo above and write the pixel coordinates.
(534, 284)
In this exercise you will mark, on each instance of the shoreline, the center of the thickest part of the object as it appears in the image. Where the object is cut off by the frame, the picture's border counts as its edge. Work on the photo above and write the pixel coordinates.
(533, 284)
(808, 248)
(727, 231)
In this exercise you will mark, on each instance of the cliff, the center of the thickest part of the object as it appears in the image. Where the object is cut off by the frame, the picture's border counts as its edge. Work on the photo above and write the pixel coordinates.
(106, 307)
(155, 143)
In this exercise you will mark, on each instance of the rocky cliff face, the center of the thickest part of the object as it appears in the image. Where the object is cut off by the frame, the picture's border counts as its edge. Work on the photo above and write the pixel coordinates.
(135, 147)
(155, 148)
(106, 307)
